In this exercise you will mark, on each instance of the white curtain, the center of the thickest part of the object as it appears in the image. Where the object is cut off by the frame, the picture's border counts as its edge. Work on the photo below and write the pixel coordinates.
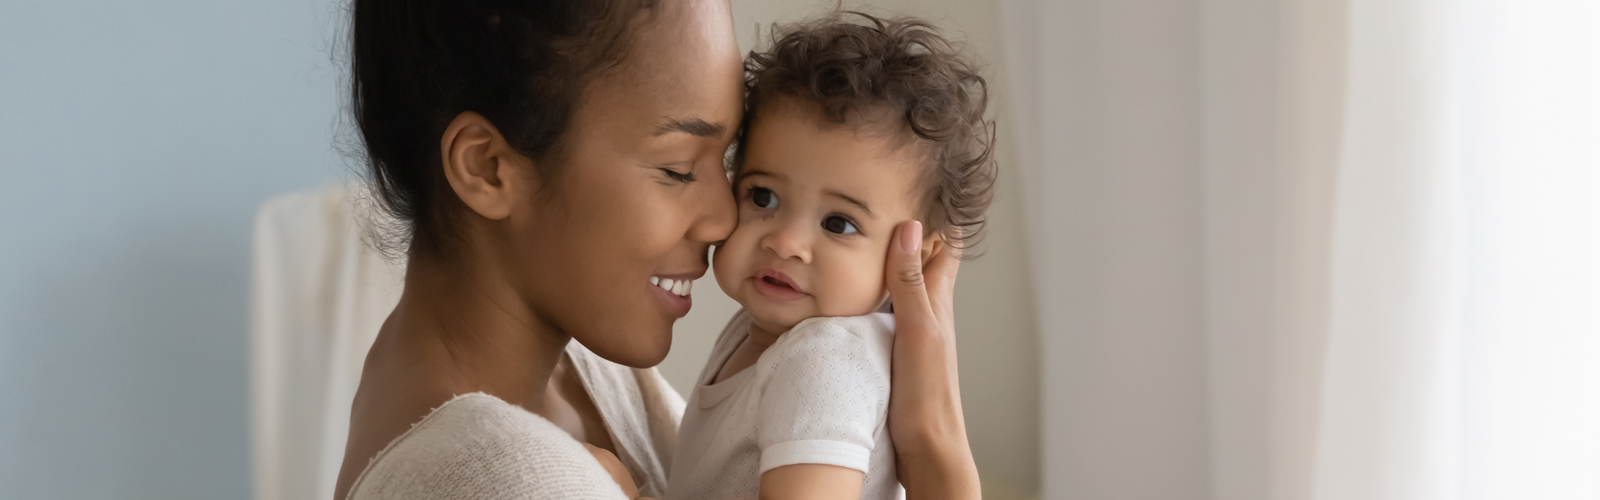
(1296, 249)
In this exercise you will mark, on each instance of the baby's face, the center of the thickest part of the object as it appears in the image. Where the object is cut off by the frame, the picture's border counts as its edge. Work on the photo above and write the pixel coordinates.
(817, 206)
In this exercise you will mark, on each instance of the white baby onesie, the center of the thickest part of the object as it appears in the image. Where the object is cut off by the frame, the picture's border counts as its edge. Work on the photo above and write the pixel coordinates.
(819, 395)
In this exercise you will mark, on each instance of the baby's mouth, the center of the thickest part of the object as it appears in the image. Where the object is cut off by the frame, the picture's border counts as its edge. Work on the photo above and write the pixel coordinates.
(776, 286)
(777, 283)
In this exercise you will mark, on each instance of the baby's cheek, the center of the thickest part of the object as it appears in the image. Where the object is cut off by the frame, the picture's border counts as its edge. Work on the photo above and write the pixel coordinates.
(857, 289)
(727, 264)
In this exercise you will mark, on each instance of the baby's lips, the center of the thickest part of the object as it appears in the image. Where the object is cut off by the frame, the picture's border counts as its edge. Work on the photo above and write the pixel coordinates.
(777, 278)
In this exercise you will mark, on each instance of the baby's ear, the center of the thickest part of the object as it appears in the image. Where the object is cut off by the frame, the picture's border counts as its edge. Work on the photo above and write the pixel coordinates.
(931, 244)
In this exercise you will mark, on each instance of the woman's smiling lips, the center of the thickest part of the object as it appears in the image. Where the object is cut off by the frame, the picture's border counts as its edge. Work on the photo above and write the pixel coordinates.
(777, 286)
(673, 289)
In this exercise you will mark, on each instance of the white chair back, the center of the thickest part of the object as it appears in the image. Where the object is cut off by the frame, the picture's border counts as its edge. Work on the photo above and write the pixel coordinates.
(319, 294)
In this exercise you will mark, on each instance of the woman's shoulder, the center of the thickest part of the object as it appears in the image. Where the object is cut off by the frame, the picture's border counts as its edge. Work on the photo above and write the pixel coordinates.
(478, 446)
(488, 416)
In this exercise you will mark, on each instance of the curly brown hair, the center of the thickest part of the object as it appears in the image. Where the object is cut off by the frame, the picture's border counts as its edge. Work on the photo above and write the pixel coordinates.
(852, 66)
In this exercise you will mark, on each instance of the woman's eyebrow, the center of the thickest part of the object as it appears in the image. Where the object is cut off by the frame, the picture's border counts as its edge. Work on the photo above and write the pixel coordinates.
(692, 126)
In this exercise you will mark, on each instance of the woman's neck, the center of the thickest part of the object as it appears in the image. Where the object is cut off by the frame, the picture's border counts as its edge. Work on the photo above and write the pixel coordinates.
(466, 316)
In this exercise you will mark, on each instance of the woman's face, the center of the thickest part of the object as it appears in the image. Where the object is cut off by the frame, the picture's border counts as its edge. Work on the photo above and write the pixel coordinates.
(641, 193)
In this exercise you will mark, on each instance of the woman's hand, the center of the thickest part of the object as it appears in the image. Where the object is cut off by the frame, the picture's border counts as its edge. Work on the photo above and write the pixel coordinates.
(925, 419)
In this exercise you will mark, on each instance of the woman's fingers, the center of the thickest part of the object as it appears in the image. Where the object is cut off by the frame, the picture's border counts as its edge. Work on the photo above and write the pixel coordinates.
(925, 393)
(920, 294)
(907, 285)
(925, 417)
(940, 276)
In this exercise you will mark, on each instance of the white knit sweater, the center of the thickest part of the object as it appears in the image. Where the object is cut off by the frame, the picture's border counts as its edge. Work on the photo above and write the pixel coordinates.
(478, 446)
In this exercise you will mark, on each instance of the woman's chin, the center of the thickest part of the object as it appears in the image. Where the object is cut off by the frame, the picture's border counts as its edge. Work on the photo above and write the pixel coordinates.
(636, 352)
(643, 360)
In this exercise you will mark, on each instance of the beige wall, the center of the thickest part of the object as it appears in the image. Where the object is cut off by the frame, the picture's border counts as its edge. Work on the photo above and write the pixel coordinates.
(995, 317)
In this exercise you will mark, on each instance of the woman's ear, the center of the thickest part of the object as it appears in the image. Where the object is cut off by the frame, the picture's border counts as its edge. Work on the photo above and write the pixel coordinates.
(480, 165)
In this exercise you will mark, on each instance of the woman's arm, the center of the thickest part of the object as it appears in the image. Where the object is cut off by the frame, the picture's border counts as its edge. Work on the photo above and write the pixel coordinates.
(929, 431)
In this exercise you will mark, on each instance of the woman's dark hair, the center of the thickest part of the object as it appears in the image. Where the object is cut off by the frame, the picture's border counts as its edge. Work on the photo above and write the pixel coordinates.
(852, 67)
(522, 64)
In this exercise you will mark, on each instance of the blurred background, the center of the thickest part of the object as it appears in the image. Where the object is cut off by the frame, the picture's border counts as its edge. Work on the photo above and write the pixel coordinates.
(1242, 249)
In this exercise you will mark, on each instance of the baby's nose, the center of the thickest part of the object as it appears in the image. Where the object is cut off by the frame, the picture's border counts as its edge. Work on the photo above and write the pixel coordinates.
(789, 242)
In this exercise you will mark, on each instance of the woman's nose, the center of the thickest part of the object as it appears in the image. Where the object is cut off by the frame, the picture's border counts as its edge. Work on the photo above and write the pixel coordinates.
(718, 213)
(788, 240)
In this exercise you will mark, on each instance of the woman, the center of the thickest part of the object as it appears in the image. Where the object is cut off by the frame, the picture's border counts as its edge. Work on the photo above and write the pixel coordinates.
(549, 159)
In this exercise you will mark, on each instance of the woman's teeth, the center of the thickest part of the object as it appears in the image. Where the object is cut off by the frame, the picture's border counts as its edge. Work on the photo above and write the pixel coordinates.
(679, 287)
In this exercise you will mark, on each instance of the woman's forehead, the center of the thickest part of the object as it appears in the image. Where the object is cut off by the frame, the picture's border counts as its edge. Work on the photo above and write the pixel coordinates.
(651, 91)
(675, 56)
(683, 68)
(694, 104)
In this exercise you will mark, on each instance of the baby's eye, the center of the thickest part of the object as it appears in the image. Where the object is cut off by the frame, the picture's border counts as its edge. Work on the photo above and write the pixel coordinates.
(838, 225)
(763, 197)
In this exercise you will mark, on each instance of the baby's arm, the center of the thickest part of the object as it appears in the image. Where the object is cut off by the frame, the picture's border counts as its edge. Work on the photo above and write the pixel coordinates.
(810, 481)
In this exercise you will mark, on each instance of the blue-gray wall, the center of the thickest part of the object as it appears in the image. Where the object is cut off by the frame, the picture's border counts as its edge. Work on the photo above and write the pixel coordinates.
(136, 139)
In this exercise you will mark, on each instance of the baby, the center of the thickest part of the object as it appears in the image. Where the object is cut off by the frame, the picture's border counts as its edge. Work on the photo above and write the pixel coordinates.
(853, 125)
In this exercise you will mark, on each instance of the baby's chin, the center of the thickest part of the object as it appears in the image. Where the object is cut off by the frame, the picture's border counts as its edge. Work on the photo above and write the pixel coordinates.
(776, 318)
(769, 320)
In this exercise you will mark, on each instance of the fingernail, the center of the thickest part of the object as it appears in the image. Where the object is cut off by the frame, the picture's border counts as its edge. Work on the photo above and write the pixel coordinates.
(911, 237)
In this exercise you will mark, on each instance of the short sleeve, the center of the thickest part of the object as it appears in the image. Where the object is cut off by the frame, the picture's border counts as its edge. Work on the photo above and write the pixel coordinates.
(825, 392)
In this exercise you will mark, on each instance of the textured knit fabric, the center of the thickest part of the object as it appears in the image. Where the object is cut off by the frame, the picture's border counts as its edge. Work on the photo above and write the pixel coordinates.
(818, 395)
(479, 447)
(640, 410)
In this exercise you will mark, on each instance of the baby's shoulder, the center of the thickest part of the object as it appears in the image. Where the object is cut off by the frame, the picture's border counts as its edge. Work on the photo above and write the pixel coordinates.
(875, 327)
(827, 340)
(829, 363)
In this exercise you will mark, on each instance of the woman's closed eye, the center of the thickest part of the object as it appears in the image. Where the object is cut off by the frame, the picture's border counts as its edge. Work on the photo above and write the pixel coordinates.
(684, 177)
(837, 224)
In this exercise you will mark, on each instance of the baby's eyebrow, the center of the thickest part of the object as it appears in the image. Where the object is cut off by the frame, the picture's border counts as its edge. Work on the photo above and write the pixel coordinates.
(752, 172)
(692, 126)
(852, 201)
